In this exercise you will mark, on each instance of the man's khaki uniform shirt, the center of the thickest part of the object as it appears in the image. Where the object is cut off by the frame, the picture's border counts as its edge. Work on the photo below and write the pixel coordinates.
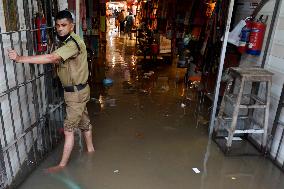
(73, 70)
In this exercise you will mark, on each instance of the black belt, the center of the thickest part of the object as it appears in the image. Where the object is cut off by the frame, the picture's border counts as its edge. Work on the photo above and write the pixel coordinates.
(75, 88)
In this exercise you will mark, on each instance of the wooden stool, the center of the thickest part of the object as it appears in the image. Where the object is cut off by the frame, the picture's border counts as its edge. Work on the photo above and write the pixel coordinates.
(235, 100)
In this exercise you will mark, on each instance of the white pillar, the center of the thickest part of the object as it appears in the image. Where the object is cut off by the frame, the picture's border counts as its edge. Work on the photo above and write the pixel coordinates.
(63, 4)
(77, 17)
(221, 65)
(2, 16)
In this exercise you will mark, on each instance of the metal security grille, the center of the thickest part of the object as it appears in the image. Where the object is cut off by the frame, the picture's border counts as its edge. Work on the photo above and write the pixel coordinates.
(277, 135)
(31, 104)
(2, 169)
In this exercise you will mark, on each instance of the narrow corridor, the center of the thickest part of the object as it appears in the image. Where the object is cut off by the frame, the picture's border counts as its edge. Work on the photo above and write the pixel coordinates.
(146, 137)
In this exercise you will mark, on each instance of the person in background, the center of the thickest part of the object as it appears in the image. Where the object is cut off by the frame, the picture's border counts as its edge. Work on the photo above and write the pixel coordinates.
(71, 57)
(121, 19)
(129, 24)
(115, 13)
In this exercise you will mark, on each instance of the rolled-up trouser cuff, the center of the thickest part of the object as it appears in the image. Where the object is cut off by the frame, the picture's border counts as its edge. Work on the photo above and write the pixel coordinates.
(86, 127)
(68, 127)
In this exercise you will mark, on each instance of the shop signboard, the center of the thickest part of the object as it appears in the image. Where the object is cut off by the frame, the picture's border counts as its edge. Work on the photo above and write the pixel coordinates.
(165, 45)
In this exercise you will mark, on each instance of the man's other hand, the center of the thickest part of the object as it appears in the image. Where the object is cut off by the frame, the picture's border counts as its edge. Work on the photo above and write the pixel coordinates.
(13, 55)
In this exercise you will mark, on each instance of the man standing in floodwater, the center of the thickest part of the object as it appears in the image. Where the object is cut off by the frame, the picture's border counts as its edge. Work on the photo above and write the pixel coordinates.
(71, 56)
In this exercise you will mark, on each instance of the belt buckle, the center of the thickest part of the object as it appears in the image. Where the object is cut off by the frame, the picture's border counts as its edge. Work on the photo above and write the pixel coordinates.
(80, 87)
(76, 88)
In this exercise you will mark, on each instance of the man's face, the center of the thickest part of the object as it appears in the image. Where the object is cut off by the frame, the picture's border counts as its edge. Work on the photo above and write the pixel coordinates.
(64, 27)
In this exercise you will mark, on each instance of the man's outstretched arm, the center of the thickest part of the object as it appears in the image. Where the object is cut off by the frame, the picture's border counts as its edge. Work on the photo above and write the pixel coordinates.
(36, 59)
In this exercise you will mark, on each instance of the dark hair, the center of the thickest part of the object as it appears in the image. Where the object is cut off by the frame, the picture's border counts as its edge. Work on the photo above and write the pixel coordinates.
(64, 14)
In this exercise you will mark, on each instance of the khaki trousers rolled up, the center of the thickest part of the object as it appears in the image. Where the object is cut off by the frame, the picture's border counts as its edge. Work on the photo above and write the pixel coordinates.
(76, 110)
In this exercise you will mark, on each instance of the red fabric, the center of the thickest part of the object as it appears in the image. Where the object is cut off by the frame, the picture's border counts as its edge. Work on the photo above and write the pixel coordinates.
(71, 5)
(200, 17)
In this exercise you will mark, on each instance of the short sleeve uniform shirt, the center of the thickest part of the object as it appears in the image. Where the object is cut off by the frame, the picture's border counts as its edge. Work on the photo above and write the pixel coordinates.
(73, 69)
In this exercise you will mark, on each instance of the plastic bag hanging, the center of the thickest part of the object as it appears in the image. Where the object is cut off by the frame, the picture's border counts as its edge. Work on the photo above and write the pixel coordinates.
(234, 35)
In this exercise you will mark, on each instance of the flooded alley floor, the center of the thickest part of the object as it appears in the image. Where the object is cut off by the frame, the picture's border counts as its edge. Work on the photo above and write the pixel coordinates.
(146, 136)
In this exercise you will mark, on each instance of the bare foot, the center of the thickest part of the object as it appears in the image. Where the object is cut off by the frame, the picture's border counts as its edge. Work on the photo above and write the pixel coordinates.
(91, 151)
(54, 169)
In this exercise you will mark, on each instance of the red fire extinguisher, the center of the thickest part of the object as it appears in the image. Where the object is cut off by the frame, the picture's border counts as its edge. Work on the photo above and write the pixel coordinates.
(41, 37)
(256, 38)
(244, 37)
